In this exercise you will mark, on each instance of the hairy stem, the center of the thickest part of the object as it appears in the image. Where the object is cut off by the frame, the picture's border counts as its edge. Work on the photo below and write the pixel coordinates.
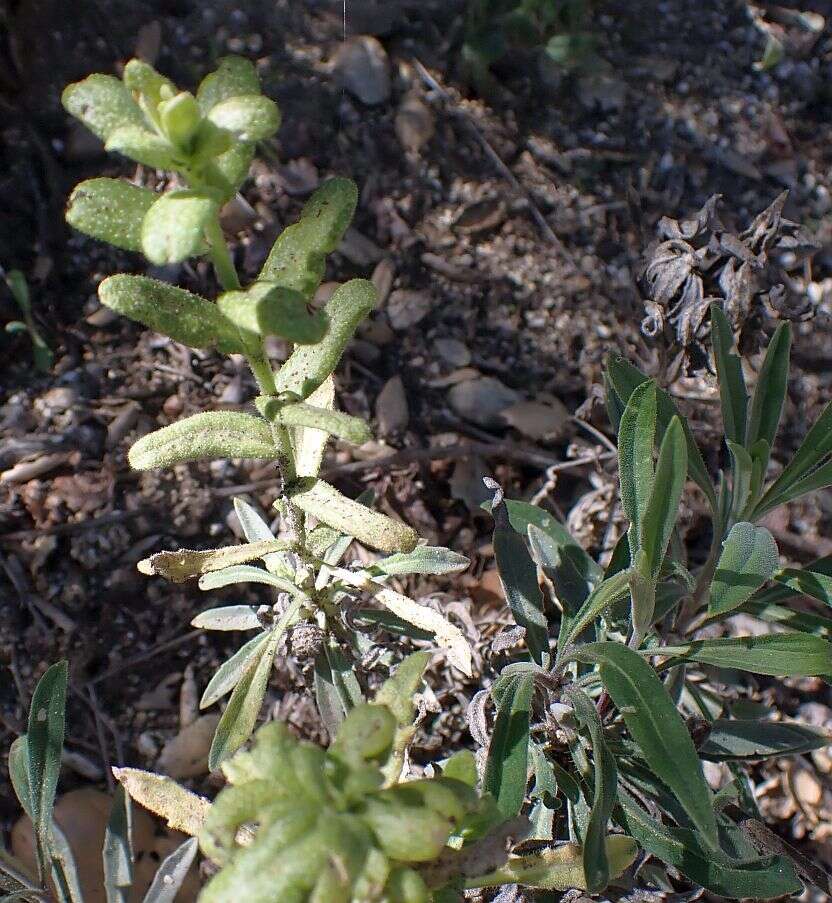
(221, 258)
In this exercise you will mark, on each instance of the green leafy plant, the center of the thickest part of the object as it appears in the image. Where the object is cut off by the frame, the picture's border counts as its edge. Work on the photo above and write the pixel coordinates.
(208, 140)
(637, 688)
(34, 767)
(19, 288)
(494, 28)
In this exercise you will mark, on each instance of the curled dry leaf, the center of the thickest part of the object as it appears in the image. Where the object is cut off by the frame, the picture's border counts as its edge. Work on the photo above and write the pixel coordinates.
(186, 563)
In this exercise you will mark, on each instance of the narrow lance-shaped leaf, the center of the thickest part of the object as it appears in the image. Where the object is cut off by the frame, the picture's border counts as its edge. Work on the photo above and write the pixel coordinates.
(624, 378)
(240, 716)
(171, 874)
(187, 563)
(246, 573)
(110, 210)
(733, 394)
(422, 560)
(808, 581)
(819, 478)
(206, 436)
(447, 635)
(228, 617)
(44, 743)
(506, 769)
(760, 879)
(337, 690)
(749, 558)
(636, 438)
(102, 103)
(376, 530)
(596, 864)
(174, 227)
(518, 575)
(662, 508)
(182, 810)
(605, 594)
(228, 675)
(776, 654)
(117, 853)
(770, 391)
(740, 739)
(656, 727)
(297, 258)
(172, 311)
(257, 530)
(299, 414)
(742, 468)
(309, 365)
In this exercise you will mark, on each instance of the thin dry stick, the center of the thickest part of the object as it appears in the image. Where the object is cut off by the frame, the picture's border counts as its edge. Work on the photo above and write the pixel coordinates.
(146, 656)
(494, 157)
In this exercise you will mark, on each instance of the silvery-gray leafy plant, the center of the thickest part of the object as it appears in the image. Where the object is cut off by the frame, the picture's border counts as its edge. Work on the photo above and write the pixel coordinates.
(207, 141)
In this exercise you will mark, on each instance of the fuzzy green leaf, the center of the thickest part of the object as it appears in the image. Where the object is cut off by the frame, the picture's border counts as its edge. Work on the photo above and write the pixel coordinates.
(228, 675)
(44, 743)
(174, 227)
(206, 436)
(636, 438)
(240, 716)
(145, 147)
(172, 311)
(337, 690)
(760, 879)
(234, 164)
(335, 423)
(142, 77)
(180, 118)
(506, 769)
(776, 654)
(234, 76)
(249, 117)
(297, 258)
(623, 378)
(770, 391)
(374, 529)
(102, 103)
(228, 617)
(110, 210)
(656, 727)
(605, 777)
(749, 558)
(739, 739)
(422, 560)
(605, 594)
(518, 576)
(398, 690)
(309, 365)
(733, 394)
(266, 308)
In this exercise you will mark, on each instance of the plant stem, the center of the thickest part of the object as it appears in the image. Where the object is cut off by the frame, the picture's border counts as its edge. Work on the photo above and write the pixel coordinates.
(221, 257)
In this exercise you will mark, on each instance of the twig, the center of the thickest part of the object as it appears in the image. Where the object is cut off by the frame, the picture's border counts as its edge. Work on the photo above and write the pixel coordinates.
(146, 656)
(494, 157)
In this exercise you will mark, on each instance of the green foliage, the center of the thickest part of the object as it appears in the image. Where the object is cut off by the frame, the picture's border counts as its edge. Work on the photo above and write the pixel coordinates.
(17, 285)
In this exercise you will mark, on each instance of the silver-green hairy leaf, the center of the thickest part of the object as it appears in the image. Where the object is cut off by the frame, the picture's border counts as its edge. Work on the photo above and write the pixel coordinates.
(172, 873)
(180, 119)
(213, 434)
(174, 227)
(335, 423)
(249, 117)
(374, 529)
(110, 210)
(117, 853)
(228, 675)
(141, 77)
(309, 365)
(636, 437)
(297, 258)
(749, 558)
(172, 311)
(102, 103)
(229, 617)
(422, 560)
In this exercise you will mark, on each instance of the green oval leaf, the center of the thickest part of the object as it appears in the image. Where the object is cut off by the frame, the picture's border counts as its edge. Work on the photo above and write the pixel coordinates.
(749, 558)
(145, 147)
(174, 227)
(228, 617)
(110, 210)
(102, 103)
(249, 117)
(180, 118)
(213, 434)
(233, 77)
(656, 726)
(266, 308)
(172, 311)
(506, 768)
